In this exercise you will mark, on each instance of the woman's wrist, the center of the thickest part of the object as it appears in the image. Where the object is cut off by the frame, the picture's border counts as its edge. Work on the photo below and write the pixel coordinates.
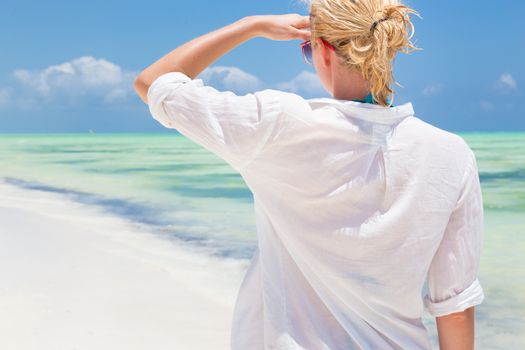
(255, 25)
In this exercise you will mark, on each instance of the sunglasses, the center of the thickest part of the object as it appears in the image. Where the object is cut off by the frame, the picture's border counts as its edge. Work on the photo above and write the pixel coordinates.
(306, 47)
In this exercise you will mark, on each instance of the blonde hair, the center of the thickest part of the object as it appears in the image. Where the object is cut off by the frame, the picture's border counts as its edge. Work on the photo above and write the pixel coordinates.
(367, 34)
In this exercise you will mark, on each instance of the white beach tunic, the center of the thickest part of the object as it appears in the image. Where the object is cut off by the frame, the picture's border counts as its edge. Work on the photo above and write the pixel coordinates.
(356, 206)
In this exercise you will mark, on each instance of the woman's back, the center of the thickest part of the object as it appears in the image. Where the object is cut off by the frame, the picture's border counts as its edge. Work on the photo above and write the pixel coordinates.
(352, 203)
(356, 203)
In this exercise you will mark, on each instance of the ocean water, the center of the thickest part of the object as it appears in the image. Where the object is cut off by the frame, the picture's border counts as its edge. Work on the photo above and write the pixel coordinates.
(168, 185)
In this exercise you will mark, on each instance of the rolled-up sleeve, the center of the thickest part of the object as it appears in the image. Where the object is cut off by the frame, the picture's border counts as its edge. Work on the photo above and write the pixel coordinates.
(234, 127)
(453, 283)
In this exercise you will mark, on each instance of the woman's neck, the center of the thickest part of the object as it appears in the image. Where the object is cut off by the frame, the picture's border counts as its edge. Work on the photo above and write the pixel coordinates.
(350, 86)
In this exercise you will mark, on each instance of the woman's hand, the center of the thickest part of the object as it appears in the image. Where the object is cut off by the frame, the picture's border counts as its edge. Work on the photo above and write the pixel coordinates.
(284, 27)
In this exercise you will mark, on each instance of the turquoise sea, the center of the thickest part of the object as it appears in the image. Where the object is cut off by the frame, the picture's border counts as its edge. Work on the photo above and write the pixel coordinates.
(170, 186)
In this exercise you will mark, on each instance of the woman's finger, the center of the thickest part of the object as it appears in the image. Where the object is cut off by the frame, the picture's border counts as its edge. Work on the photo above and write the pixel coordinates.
(303, 34)
(304, 22)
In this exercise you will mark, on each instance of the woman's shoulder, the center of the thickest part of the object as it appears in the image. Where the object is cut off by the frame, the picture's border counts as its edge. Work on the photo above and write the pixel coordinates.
(438, 138)
(287, 101)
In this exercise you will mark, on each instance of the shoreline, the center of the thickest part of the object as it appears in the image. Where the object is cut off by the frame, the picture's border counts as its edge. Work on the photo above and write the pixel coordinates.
(78, 278)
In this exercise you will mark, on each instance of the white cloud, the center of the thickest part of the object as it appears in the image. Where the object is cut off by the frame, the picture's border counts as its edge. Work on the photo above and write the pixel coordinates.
(81, 78)
(432, 89)
(507, 82)
(239, 81)
(116, 95)
(93, 80)
(304, 82)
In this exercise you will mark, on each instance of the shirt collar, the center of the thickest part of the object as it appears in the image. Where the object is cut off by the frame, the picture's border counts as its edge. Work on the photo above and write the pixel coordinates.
(366, 111)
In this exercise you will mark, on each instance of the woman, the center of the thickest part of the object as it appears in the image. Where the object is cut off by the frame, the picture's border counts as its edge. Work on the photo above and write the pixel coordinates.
(357, 201)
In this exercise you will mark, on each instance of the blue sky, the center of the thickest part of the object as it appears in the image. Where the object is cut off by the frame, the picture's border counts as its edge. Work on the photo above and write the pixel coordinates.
(68, 66)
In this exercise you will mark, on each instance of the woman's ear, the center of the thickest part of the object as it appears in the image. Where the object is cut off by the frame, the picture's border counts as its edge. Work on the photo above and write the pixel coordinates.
(324, 52)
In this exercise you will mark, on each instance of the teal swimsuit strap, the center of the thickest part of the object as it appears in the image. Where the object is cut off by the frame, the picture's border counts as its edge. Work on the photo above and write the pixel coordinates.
(368, 99)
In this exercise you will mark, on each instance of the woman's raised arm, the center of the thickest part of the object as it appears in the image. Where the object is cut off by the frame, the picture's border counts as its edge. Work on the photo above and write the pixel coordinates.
(196, 55)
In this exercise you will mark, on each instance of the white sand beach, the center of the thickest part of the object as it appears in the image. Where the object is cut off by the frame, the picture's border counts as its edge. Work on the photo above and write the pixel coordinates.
(73, 277)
